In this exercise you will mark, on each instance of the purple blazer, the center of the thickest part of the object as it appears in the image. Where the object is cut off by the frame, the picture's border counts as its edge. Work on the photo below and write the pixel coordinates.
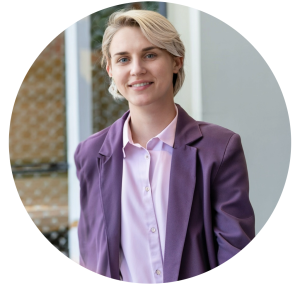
(209, 220)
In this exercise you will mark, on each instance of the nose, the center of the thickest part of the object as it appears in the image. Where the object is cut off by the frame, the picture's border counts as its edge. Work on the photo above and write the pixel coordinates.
(137, 67)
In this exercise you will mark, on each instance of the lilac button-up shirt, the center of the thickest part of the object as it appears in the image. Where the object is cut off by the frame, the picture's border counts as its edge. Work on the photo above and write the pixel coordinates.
(144, 204)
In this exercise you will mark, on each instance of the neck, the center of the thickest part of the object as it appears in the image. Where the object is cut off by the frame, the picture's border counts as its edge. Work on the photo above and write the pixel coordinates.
(148, 121)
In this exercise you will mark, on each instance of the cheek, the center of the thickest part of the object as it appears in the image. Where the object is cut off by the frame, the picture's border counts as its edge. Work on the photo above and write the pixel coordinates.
(119, 76)
(120, 81)
(167, 70)
(167, 76)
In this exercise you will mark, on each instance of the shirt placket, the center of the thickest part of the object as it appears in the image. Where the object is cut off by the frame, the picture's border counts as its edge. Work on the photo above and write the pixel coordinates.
(151, 222)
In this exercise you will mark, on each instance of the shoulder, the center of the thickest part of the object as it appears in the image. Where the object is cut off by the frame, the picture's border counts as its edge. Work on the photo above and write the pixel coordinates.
(215, 134)
(91, 146)
(217, 143)
(94, 141)
(106, 139)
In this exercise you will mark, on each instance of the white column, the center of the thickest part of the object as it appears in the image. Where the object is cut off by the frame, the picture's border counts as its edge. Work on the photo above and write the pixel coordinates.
(78, 113)
(195, 68)
(190, 96)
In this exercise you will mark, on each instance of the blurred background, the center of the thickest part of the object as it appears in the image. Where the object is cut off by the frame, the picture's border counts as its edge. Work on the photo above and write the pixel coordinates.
(64, 99)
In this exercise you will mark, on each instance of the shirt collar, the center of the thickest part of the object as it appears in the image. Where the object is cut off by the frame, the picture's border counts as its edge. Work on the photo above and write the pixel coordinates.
(127, 137)
(167, 135)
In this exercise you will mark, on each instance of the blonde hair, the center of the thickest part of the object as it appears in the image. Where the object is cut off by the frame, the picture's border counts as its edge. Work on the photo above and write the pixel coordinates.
(156, 28)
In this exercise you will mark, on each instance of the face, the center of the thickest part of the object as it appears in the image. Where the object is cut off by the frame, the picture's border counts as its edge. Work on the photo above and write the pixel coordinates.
(143, 73)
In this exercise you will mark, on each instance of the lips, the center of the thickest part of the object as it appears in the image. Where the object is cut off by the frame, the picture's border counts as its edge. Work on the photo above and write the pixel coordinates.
(140, 83)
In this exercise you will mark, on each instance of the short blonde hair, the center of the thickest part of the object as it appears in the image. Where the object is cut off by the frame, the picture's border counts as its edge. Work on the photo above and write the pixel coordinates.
(156, 28)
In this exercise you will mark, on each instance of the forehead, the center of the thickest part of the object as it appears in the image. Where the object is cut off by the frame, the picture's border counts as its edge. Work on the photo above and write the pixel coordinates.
(128, 39)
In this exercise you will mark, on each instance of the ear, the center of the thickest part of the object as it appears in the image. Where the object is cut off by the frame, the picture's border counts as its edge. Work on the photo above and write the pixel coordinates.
(108, 69)
(178, 63)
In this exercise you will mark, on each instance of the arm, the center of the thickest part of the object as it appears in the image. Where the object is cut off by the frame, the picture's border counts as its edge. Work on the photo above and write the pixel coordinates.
(234, 216)
(78, 173)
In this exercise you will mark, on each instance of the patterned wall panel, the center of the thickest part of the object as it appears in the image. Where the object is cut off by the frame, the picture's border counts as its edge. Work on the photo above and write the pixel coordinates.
(37, 144)
(37, 129)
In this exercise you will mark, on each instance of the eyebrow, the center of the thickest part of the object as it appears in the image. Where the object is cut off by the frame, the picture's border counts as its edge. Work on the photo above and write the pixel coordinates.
(145, 49)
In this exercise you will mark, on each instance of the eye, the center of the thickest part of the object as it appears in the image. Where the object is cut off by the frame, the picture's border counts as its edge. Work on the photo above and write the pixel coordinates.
(151, 55)
(123, 60)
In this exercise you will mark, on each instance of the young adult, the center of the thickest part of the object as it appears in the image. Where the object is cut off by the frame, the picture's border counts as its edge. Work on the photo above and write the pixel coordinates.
(163, 197)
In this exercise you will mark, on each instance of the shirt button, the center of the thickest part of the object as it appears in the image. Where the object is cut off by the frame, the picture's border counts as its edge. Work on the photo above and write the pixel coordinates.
(153, 229)
(146, 156)
(157, 272)
(147, 189)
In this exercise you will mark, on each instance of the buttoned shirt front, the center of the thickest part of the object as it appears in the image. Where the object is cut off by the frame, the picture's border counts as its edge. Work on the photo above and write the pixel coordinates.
(144, 204)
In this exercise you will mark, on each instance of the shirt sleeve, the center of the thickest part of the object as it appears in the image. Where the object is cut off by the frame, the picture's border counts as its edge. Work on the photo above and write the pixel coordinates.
(233, 214)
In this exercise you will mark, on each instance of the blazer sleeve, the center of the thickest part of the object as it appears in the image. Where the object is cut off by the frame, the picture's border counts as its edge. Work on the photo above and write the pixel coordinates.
(233, 214)
(79, 176)
(76, 160)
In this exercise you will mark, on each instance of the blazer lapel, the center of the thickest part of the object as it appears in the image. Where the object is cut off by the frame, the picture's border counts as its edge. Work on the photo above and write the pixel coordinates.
(181, 192)
(110, 163)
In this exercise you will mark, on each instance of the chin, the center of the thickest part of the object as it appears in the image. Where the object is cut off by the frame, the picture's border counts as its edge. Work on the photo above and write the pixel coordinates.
(141, 101)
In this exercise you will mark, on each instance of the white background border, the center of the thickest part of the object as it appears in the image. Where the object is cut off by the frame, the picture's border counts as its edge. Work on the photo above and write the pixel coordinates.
(267, 268)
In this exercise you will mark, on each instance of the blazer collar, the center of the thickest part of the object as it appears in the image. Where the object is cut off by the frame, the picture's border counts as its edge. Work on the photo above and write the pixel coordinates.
(187, 131)
(111, 141)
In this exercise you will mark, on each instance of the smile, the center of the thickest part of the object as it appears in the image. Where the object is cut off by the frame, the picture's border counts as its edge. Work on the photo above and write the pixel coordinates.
(141, 84)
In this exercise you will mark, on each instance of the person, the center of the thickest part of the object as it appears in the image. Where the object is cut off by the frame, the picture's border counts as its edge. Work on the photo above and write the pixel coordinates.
(163, 197)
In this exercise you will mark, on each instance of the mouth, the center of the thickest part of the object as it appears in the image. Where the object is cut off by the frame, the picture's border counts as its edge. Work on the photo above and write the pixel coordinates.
(142, 84)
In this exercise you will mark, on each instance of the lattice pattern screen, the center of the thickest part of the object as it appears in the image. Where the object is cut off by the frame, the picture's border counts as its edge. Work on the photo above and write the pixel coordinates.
(37, 129)
(38, 143)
